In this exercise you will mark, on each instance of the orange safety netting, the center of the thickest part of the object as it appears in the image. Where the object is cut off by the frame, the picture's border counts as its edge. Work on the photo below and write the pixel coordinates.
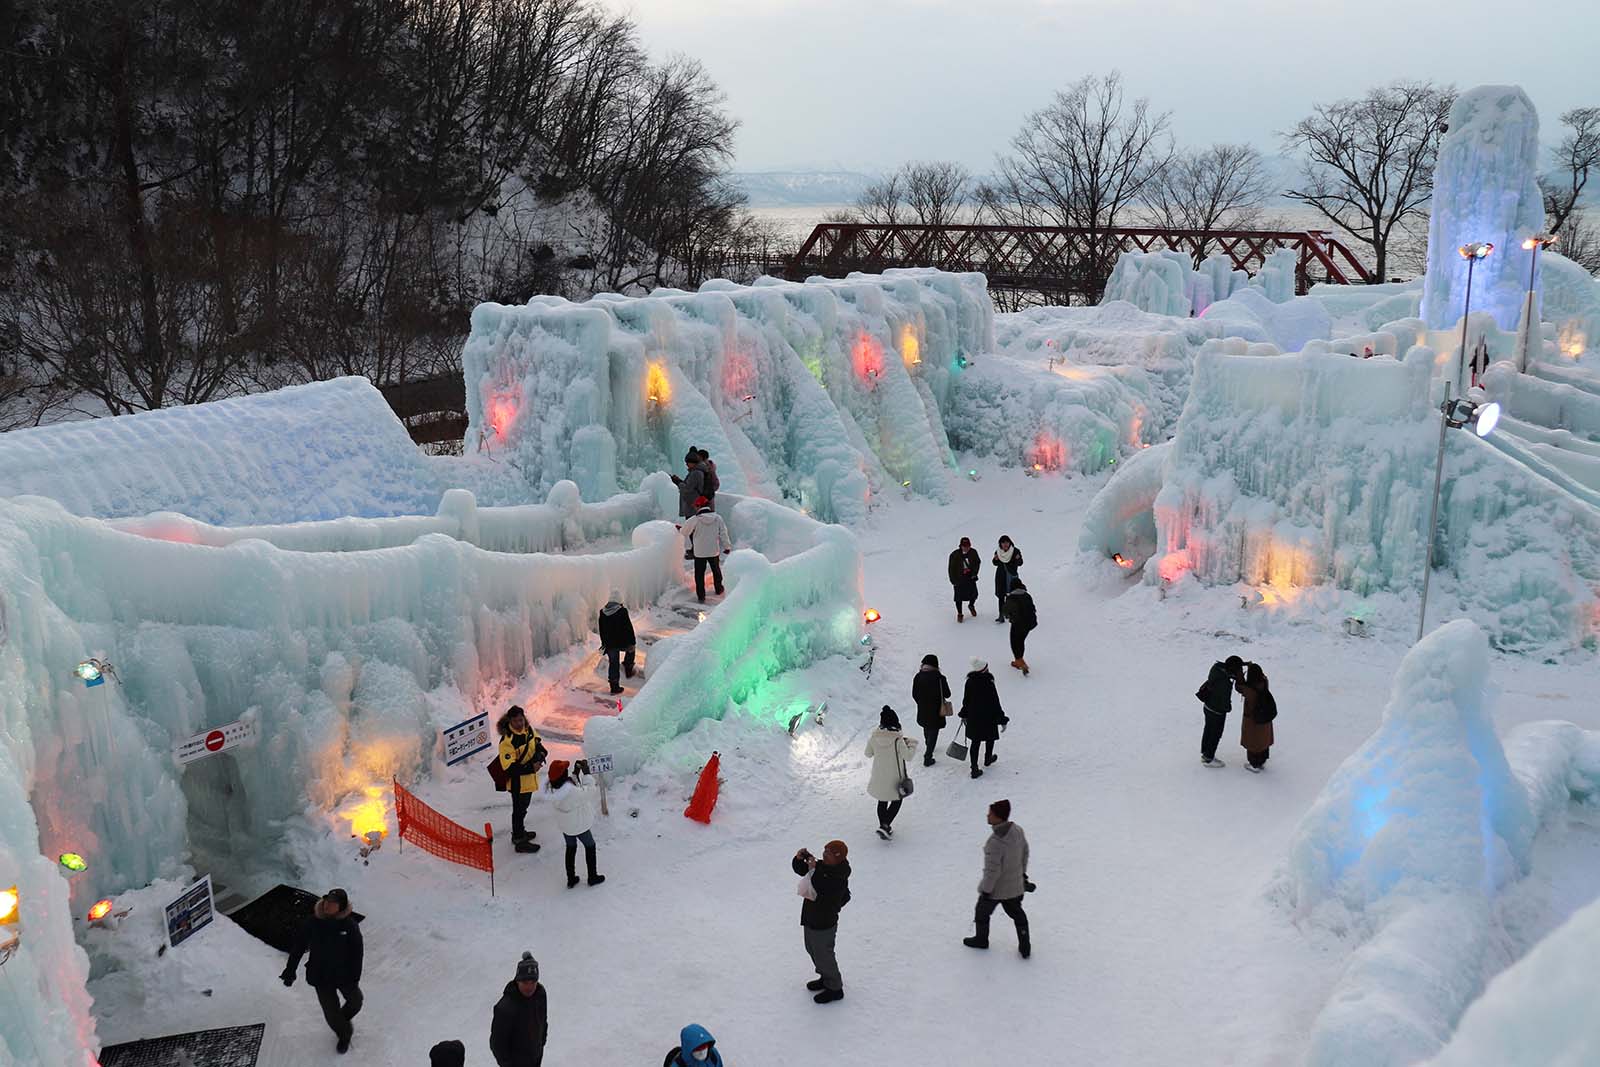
(432, 832)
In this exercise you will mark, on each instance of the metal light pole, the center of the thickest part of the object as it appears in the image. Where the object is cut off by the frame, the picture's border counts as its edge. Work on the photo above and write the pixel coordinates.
(1472, 252)
(1532, 244)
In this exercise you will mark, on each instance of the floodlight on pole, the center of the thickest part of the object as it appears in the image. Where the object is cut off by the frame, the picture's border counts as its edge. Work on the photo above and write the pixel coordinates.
(1454, 414)
(1532, 244)
(1472, 251)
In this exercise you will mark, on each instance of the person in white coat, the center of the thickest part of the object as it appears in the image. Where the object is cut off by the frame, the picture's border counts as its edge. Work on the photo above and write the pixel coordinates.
(707, 536)
(574, 815)
(888, 749)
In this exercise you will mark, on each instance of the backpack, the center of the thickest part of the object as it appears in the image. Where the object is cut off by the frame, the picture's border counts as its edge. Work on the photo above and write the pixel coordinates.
(712, 482)
(1268, 709)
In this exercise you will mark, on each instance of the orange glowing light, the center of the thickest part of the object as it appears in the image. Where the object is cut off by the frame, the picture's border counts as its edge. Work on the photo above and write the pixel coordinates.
(502, 413)
(656, 384)
(910, 347)
(1121, 560)
(100, 910)
(871, 615)
(9, 902)
(371, 814)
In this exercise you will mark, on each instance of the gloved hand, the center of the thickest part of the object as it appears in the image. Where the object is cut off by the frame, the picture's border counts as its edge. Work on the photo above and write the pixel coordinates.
(288, 978)
(1027, 886)
(1003, 724)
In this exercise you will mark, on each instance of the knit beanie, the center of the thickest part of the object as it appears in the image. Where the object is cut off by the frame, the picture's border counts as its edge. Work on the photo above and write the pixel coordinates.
(527, 968)
(448, 1054)
(979, 665)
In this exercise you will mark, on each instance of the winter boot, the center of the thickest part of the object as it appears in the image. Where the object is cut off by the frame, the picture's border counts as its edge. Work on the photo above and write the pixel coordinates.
(976, 773)
(816, 985)
(1019, 665)
(1024, 667)
(989, 760)
(927, 759)
(976, 942)
(527, 844)
(883, 832)
(1024, 946)
(572, 880)
(615, 689)
(960, 617)
(1212, 762)
(596, 879)
(828, 996)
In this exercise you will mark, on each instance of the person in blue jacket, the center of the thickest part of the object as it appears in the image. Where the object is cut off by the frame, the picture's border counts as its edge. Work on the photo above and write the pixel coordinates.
(696, 1047)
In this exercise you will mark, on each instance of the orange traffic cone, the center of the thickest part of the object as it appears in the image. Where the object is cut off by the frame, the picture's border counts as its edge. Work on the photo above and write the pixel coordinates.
(705, 792)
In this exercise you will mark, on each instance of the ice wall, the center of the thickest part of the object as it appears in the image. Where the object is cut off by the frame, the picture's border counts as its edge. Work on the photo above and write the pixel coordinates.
(1317, 468)
(1288, 323)
(1157, 282)
(776, 617)
(1410, 844)
(821, 393)
(308, 452)
(1485, 188)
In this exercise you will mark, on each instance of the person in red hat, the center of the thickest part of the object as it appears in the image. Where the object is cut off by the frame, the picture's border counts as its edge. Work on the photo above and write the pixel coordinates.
(707, 536)
(575, 816)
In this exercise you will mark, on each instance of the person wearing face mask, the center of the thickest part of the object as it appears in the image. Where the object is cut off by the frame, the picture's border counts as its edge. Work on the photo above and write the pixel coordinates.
(696, 1046)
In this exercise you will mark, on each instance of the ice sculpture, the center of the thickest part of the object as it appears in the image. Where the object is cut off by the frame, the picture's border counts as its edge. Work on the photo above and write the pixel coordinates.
(1485, 188)
(823, 392)
(1158, 282)
(308, 452)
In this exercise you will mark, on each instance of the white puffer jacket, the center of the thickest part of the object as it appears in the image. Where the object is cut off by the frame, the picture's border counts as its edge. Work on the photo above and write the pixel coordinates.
(574, 813)
(888, 749)
(707, 535)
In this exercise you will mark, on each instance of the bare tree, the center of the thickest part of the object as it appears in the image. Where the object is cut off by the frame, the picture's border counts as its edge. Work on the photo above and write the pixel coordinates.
(1368, 163)
(937, 192)
(1221, 187)
(883, 202)
(1576, 157)
(1082, 161)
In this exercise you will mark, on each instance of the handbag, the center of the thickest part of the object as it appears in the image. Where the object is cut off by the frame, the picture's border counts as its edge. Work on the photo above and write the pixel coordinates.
(904, 786)
(957, 750)
(499, 774)
(946, 709)
(805, 888)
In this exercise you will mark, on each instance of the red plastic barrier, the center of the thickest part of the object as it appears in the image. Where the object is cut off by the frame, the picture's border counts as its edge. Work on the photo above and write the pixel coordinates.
(434, 833)
(705, 793)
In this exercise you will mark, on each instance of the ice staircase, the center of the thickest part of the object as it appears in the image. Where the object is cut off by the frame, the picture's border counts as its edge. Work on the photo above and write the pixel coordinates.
(585, 693)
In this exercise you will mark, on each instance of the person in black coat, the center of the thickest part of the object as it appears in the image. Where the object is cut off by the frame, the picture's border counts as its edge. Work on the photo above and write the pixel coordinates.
(981, 711)
(1216, 700)
(692, 486)
(819, 914)
(1020, 610)
(331, 939)
(1007, 559)
(616, 639)
(964, 567)
(521, 1019)
(930, 689)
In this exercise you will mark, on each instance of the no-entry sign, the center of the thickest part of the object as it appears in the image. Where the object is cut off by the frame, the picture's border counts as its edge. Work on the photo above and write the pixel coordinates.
(213, 741)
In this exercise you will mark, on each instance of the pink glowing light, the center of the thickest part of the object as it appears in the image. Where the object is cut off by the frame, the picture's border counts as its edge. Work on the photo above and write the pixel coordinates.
(1049, 452)
(1173, 565)
(502, 412)
(866, 357)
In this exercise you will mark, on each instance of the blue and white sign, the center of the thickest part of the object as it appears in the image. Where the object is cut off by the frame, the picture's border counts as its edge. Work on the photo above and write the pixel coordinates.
(190, 913)
(466, 739)
(599, 764)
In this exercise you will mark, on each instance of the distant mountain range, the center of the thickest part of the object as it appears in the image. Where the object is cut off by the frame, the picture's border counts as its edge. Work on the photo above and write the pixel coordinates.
(795, 188)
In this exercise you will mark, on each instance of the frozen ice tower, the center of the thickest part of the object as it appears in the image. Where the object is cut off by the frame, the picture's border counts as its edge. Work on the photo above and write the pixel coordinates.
(1485, 188)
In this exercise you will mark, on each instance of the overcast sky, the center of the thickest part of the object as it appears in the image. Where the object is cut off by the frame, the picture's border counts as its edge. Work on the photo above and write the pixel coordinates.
(867, 84)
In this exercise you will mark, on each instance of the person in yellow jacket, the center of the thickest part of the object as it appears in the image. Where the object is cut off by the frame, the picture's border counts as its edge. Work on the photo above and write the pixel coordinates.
(521, 755)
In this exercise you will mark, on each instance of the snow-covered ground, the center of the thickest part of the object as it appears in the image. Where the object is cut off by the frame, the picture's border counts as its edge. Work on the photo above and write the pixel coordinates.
(1160, 932)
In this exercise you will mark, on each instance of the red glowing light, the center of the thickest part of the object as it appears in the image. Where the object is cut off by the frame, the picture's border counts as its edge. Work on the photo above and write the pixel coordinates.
(871, 615)
(1049, 453)
(1173, 566)
(100, 910)
(502, 413)
(866, 357)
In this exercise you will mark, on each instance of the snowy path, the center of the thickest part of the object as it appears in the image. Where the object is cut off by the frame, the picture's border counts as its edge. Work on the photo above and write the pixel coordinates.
(1155, 939)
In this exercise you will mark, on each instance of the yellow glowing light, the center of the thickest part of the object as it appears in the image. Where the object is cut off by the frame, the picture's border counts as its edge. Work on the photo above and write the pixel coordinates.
(9, 902)
(370, 814)
(910, 347)
(1076, 374)
(656, 383)
(871, 615)
(101, 909)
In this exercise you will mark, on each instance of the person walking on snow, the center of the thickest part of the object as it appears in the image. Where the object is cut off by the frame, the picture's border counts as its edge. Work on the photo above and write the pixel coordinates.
(692, 486)
(1260, 708)
(964, 567)
(521, 756)
(981, 711)
(1216, 699)
(888, 749)
(930, 691)
(708, 468)
(1007, 560)
(521, 1019)
(331, 939)
(1005, 879)
(575, 816)
(696, 1046)
(825, 886)
(1020, 610)
(616, 639)
(706, 534)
